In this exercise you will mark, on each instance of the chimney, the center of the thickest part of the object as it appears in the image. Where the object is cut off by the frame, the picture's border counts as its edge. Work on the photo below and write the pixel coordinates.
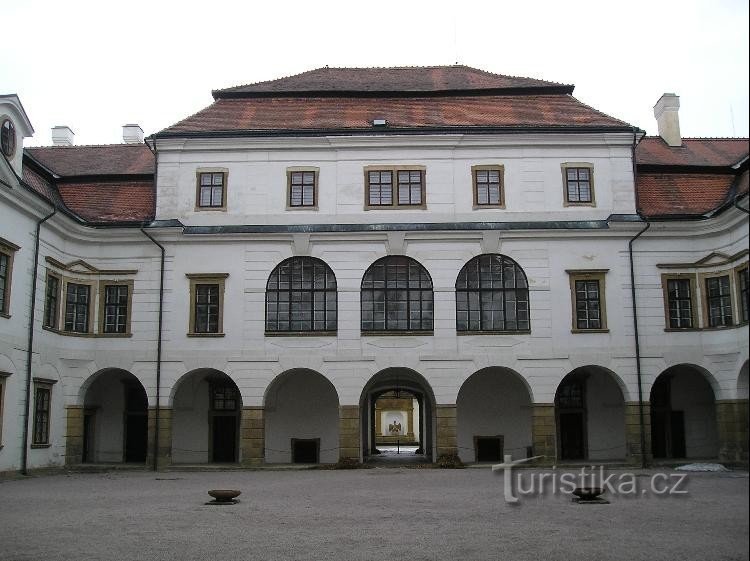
(132, 134)
(666, 113)
(62, 136)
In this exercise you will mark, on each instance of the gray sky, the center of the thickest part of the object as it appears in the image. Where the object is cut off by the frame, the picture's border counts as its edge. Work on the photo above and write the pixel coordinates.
(98, 65)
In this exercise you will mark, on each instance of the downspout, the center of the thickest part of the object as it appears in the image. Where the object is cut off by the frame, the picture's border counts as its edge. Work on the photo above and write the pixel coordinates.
(30, 345)
(161, 315)
(641, 416)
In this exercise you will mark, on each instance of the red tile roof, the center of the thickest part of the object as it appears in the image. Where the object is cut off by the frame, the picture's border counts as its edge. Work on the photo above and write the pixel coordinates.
(110, 201)
(342, 113)
(110, 159)
(663, 194)
(399, 80)
(722, 152)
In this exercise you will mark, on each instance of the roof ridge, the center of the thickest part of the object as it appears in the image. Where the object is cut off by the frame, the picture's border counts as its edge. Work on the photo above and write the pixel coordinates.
(656, 136)
(88, 145)
(594, 109)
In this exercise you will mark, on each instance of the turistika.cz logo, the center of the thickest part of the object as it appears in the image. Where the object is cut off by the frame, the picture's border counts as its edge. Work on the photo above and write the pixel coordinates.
(539, 483)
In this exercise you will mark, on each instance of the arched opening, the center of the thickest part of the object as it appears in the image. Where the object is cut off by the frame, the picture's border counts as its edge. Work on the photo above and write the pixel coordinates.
(494, 416)
(115, 418)
(683, 414)
(206, 408)
(301, 409)
(743, 385)
(393, 397)
(590, 415)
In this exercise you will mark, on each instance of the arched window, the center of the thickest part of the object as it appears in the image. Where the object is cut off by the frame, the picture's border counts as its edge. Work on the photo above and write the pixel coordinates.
(301, 297)
(396, 296)
(492, 295)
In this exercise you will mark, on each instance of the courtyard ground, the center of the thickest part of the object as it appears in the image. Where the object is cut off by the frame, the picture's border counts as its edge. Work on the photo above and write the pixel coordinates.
(391, 514)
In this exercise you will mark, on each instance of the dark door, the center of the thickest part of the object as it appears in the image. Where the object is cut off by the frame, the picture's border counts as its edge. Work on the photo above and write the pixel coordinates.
(572, 439)
(88, 433)
(305, 451)
(677, 422)
(136, 437)
(660, 433)
(489, 448)
(224, 435)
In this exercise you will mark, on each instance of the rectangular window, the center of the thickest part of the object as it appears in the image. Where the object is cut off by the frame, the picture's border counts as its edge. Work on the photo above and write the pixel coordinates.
(589, 307)
(742, 277)
(680, 303)
(488, 186)
(42, 394)
(394, 188)
(223, 397)
(211, 190)
(4, 283)
(77, 302)
(719, 301)
(52, 301)
(579, 184)
(206, 304)
(302, 189)
(116, 298)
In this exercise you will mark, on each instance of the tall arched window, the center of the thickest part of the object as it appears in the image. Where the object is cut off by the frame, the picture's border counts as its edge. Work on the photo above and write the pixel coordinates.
(301, 297)
(492, 295)
(396, 296)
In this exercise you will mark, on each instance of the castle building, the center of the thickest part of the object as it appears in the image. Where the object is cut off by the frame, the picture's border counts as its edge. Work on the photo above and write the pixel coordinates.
(316, 265)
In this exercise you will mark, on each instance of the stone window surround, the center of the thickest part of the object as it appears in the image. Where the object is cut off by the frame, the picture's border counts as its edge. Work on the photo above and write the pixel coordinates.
(96, 279)
(316, 187)
(206, 278)
(394, 200)
(564, 168)
(225, 188)
(665, 277)
(589, 274)
(42, 383)
(491, 167)
(8, 249)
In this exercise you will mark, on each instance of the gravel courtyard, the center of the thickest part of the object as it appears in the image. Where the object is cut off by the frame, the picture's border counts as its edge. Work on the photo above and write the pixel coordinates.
(391, 514)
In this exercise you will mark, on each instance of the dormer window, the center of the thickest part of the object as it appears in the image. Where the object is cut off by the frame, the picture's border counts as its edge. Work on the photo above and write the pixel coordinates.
(8, 138)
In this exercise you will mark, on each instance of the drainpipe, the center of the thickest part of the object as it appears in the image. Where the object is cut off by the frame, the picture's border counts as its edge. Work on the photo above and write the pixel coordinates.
(641, 418)
(30, 345)
(158, 349)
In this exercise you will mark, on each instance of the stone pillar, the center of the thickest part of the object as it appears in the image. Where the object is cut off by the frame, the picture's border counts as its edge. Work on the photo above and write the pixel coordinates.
(252, 437)
(732, 424)
(74, 435)
(164, 454)
(447, 442)
(349, 432)
(633, 432)
(544, 432)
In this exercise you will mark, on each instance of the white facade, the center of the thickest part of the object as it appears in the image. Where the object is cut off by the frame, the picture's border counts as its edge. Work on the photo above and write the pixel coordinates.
(321, 374)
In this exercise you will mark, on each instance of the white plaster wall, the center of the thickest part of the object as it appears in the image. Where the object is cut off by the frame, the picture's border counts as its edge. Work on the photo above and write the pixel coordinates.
(107, 396)
(494, 402)
(692, 394)
(387, 417)
(301, 404)
(605, 418)
(190, 424)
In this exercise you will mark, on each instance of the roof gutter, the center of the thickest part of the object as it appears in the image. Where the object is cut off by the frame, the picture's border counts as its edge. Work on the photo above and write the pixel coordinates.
(30, 344)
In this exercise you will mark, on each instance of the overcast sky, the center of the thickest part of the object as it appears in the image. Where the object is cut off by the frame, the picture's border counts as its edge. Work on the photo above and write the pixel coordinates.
(95, 66)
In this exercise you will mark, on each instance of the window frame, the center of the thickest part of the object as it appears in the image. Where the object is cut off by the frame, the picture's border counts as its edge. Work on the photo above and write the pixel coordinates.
(394, 186)
(479, 289)
(387, 331)
(3, 385)
(8, 250)
(475, 186)
(290, 171)
(225, 186)
(703, 278)
(312, 292)
(11, 136)
(742, 312)
(103, 285)
(589, 275)
(196, 279)
(694, 314)
(55, 325)
(43, 384)
(565, 166)
(91, 308)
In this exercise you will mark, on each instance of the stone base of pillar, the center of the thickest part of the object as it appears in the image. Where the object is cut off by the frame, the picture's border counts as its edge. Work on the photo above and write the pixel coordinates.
(633, 453)
(74, 435)
(164, 453)
(447, 442)
(252, 437)
(349, 432)
(544, 433)
(732, 424)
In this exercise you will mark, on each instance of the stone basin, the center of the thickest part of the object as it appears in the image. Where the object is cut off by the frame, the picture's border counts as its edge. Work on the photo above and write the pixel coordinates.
(224, 495)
